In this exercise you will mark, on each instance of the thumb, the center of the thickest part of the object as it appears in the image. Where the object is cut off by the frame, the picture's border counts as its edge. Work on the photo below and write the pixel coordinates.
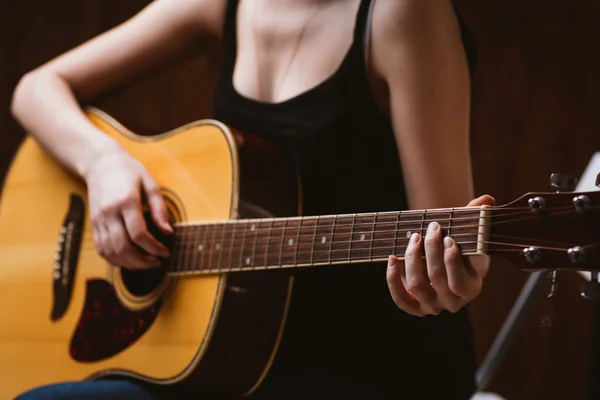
(482, 200)
(158, 209)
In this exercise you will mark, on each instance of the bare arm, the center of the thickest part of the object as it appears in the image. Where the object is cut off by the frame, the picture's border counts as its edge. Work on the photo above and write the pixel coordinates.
(46, 100)
(418, 54)
(46, 103)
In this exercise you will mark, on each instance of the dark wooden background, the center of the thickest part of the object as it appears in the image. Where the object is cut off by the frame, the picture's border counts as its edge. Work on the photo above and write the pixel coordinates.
(534, 112)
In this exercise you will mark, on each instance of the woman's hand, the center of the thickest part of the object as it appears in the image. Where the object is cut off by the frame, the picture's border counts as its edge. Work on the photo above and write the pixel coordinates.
(115, 183)
(440, 281)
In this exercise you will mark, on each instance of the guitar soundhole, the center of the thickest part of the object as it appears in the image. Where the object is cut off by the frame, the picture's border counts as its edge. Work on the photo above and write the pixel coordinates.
(143, 282)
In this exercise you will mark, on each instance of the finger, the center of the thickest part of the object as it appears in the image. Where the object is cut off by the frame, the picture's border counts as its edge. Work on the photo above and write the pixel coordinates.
(137, 230)
(460, 281)
(125, 253)
(107, 248)
(417, 284)
(436, 267)
(98, 240)
(394, 274)
(158, 209)
(482, 200)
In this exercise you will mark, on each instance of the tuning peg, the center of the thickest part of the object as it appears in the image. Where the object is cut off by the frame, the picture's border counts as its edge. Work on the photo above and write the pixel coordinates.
(591, 290)
(563, 182)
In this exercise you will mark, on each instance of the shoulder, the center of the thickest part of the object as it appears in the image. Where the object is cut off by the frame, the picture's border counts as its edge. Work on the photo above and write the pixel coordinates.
(203, 17)
(407, 30)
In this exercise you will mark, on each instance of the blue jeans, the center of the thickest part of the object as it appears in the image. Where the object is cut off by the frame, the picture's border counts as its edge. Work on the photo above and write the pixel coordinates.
(118, 389)
(102, 389)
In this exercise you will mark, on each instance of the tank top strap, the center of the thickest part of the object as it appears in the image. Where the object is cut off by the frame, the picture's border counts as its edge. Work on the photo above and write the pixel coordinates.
(361, 24)
(230, 23)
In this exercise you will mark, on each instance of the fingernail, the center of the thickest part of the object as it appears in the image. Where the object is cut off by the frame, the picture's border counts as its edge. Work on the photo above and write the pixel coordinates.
(414, 238)
(391, 262)
(448, 242)
(433, 227)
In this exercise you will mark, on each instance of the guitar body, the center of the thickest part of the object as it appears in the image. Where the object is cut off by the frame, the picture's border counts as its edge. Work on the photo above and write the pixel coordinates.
(67, 315)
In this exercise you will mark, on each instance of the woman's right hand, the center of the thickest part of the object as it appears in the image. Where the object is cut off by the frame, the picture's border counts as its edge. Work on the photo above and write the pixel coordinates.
(115, 184)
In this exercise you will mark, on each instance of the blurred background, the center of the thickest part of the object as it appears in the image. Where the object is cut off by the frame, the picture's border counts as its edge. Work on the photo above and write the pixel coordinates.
(536, 93)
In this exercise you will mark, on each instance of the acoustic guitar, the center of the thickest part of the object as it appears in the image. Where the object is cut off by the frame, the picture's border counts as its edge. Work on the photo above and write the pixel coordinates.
(211, 317)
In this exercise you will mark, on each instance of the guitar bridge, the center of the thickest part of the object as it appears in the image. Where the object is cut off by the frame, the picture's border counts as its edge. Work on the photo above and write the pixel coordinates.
(66, 256)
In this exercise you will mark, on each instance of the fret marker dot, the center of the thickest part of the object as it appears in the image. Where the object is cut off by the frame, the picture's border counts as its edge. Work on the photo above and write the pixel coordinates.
(248, 260)
(408, 234)
(200, 247)
(323, 239)
(291, 242)
(217, 246)
(253, 227)
(362, 237)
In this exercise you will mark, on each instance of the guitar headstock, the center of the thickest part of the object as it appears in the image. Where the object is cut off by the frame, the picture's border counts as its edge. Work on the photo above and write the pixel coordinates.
(549, 230)
(546, 231)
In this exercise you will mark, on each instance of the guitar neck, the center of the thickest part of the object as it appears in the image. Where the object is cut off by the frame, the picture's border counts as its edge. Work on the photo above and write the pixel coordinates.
(274, 243)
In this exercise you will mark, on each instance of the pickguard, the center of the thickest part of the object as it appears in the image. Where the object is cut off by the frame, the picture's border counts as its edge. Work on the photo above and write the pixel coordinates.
(106, 327)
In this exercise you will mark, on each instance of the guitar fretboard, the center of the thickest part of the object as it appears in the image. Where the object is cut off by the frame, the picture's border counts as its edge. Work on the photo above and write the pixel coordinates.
(255, 244)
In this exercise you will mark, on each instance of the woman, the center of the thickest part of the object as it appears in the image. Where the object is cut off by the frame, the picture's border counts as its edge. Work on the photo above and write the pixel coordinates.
(371, 99)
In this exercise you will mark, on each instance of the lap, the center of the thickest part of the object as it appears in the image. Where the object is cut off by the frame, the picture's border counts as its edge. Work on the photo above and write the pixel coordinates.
(96, 390)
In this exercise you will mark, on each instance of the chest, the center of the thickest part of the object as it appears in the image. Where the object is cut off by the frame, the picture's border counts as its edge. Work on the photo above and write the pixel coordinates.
(286, 48)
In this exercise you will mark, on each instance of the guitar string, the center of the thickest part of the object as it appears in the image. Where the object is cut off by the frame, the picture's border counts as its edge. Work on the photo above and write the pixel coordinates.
(416, 213)
(298, 234)
(185, 252)
(331, 260)
(190, 230)
(276, 253)
(337, 223)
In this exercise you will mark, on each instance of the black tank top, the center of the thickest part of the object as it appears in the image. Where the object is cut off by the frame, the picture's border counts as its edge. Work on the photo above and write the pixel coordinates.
(343, 328)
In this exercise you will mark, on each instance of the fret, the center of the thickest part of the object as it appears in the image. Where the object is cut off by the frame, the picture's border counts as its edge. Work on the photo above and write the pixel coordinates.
(231, 243)
(384, 236)
(411, 223)
(324, 236)
(332, 238)
(450, 221)
(306, 240)
(361, 238)
(242, 257)
(290, 243)
(212, 244)
(342, 238)
(256, 228)
(351, 238)
(202, 248)
(267, 247)
(219, 246)
(284, 230)
(297, 242)
(177, 250)
(181, 263)
(396, 229)
(372, 238)
(312, 253)
(184, 250)
(422, 232)
(195, 233)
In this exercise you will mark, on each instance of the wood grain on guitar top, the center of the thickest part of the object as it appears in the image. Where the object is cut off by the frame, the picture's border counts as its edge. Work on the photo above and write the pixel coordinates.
(217, 333)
